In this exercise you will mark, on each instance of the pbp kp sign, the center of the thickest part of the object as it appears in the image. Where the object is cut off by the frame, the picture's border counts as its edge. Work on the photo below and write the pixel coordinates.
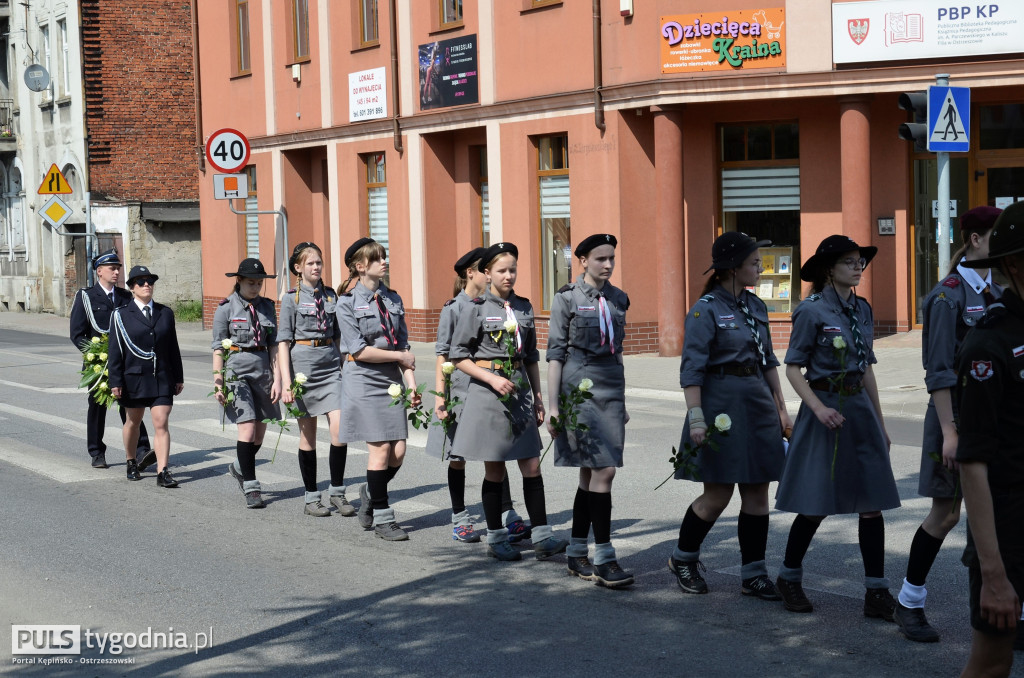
(46, 639)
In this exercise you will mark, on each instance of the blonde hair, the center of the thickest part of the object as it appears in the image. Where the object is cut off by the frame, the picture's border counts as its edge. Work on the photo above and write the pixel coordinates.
(370, 252)
(300, 259)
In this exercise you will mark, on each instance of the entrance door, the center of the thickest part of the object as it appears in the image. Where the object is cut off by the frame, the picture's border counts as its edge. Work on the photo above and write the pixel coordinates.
(1000, 181)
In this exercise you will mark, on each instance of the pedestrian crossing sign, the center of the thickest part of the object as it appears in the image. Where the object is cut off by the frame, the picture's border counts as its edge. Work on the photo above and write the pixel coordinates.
(949, 119)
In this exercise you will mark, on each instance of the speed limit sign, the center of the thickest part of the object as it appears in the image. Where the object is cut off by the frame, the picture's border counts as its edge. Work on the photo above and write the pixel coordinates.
(227, 150)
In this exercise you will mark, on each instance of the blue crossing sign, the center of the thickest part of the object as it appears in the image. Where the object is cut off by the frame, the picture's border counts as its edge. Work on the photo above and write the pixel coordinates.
(949, 119)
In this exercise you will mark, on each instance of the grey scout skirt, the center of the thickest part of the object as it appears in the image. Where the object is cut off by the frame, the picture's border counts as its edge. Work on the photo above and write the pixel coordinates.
(492, 430)
(935, 480)
(252, 388)
(600, 446)
(322, 367)
(368, 415)
(438, 445)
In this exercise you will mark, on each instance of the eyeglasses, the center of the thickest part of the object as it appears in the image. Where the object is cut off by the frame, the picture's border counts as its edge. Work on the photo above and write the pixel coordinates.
(852, 263)
(149, 282)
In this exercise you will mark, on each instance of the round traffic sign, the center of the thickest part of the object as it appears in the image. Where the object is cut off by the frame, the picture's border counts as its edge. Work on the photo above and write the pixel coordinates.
(227, 150)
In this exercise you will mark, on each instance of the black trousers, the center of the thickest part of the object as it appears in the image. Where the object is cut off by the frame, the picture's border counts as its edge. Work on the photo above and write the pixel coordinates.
(95, 424)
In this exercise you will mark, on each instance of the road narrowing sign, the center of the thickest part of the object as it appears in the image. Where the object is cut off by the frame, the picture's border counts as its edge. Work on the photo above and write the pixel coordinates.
(54, 183)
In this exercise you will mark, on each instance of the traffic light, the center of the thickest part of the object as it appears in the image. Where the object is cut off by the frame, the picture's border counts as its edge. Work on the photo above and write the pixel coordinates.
(916, 131)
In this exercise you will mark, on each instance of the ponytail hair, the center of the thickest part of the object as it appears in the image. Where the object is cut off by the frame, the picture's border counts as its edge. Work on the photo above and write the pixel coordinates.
(368, 253)
(460, 281)
(714, 280)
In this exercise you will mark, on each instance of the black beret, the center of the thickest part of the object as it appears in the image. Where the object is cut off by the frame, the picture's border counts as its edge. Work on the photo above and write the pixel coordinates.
(596, 240)
(499, 248)
(466, 259)
(294, 258)
(354, 247)
(980, 219)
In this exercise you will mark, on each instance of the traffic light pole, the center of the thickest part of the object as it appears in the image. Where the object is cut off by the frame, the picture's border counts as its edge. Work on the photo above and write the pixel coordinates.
(942, 162)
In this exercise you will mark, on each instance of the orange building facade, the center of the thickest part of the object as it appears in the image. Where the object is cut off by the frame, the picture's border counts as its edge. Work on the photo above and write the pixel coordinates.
(440, 125)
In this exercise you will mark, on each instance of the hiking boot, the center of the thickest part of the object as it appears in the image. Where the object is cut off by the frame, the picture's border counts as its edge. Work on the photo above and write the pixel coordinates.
(390, 532)
(254, 500)
(465, 533)
(611, 576)
(503, 550)
(792, 594)
(549, 547)
(688, 575)
(237, 476)
(581, 567)
(879, 604)
(761, 587)
(345, 509)
(518, 531)
(914, 625)
(316, 508)
(365, 512)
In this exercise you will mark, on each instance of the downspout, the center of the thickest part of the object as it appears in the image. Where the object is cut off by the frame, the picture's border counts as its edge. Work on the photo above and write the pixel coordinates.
(200, 150)
(393, 27)
(598, 82)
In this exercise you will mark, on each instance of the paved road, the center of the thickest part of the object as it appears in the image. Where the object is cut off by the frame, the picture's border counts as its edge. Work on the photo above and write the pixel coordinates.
(288, 594)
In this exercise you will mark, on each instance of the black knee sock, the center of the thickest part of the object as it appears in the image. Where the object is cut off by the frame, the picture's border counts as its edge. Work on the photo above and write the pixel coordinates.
(581, 514)
(307, 467)
(692, 531)
(533, 497)
(871, 533)
(337, 458)
(800, 536)
(923, 551)
(377, 485)
(392, 472)
(457, 488)
(753, 535)
(601, 516)
(490, 497)
(256, 448)
(246, 453)
(506, 495)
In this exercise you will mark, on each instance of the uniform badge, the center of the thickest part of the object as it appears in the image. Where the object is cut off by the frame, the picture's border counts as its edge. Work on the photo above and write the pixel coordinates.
(309, 305)
(361, 308)
(975, 309)
(981, 369)
(951, 282)
(491, 319)
(732, 324)
(586, 308)
(1019, 351)
(831, 328)
(696, 314)
(726, 317)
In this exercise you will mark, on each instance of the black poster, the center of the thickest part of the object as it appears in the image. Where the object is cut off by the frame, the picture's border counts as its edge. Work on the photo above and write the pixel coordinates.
(448, 73)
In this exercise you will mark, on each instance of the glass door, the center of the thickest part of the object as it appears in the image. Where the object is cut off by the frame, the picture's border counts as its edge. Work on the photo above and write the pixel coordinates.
(1001, 182)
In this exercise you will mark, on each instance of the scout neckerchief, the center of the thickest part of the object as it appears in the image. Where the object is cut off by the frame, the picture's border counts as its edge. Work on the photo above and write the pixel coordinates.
(605, 322)
(858, 338)
(753, 330)
(321, 315)
(257, 332)
(511, 315)
(385, 322)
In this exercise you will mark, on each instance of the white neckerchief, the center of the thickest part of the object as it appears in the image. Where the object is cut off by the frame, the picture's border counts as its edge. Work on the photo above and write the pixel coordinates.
(511, 315)
(971, 277)
(606, 322)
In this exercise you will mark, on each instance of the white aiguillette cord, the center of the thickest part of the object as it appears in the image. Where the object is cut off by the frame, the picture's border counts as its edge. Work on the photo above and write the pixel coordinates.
(123, 340)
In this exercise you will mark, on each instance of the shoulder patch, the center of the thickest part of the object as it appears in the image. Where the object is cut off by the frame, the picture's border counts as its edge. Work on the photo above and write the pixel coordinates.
(814, 297)
(565, 288)
(291, 291)
(478, 300)
(952, 282)
(223, 301)
(707, 298)
(450, 302)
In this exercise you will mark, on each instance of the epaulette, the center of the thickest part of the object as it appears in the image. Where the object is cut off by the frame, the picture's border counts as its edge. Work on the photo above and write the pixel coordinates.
(223, 301)
(478, 300)
(291, 291)
(564, 288)
(450, 302)
(707, 298)
(952, 282)
(814, 297)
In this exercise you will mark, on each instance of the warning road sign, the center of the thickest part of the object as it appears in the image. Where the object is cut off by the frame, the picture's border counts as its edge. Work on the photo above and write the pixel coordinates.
(54, 183)
(949, 119)
(229, 186)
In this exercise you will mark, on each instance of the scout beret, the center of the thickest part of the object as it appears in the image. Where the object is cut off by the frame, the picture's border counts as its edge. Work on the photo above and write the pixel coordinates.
(466, 259)
(294, 258)
(499, 248)
(592, 241)
(350, 253)
(1007, 237)
(979, 219)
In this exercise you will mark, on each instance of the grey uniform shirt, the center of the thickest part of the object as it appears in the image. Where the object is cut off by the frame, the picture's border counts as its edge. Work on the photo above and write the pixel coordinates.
(472, 336)
(361, 324)
(716, 333)
(817, 321)
(575, 324)
(233, 321)
(298, 318)
(450, 312)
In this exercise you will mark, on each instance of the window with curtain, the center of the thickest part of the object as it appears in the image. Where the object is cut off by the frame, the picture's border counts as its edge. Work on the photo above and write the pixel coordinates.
(62, 58)
(242, 63)
(485, 207)
(555, 233)
(377, 198)
(300, 29)
(252, 222)
(368, 23)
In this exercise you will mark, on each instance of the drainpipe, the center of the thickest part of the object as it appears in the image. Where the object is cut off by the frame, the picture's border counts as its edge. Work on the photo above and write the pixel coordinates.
(393, 27)
(200, 150)
(598, 82)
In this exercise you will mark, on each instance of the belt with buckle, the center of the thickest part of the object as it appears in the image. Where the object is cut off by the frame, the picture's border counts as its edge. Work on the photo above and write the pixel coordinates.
(246, 349)
(848, 387)
(491, 365)
(315, 342)
(736, 370)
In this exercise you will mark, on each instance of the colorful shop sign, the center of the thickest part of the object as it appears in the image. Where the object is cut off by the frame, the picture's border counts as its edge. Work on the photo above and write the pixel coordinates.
(448, 73)
(729, 41)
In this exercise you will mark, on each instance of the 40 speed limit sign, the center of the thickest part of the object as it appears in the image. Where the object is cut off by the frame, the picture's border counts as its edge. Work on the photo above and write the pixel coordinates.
(227, 150)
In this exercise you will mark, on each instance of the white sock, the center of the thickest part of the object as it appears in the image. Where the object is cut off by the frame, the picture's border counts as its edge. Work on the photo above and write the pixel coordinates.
(912, 596)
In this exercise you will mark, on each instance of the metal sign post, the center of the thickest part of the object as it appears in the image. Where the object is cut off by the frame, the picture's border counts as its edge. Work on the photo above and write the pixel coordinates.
(284, 226)
(949, 111)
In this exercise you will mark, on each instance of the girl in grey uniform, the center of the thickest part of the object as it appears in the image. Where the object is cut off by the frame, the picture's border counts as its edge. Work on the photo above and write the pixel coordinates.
(494, 430)
(588, 319)
(372, 320)
(832, 468)
(249, 321)
(954, 306)
(470, 283)
(729, 367)
(309, 344)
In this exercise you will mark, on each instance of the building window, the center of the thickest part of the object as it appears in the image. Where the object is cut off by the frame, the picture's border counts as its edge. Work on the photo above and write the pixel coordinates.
(450, 13)
(368, 23)
(242, 62)
(555, 234)
(300, 30)
(376, 198)
(62, 56)
(44, 33)
(252, 221)
(485, 203)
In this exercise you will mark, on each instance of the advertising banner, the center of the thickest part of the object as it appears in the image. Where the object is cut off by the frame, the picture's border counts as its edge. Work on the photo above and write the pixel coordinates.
(729, 41)
(448, 73)
(367, 95)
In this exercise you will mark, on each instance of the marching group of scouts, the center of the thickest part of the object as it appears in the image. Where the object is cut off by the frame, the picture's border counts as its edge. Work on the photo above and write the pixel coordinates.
(341, 353)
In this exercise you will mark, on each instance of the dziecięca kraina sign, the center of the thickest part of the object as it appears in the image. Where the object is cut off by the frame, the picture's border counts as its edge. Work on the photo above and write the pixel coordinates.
(723, 41)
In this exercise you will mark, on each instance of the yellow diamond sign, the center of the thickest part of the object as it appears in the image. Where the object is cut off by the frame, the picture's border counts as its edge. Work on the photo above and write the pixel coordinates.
(55, 211)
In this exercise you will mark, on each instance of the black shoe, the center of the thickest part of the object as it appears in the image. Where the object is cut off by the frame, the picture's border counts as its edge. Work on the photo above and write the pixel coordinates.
(133, 470)
(254, 500)
(761, 587)
(792, 594)
(99, 461)
(914, 625)
(688, 575)
(164, 479)
(879, 603)
(148, 459)
(237, 476)
(581, 567)
(612, 576)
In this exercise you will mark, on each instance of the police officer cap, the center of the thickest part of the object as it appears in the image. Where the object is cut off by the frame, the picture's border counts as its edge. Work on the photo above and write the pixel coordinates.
(592, 241)
(350, 253)
(980, 219)
(466, 259)
(499, 248)
(731, 249)
(250, 268)
(1007, 237)
(294, 258)
(830, 249)
(108, 258)
(140, 272)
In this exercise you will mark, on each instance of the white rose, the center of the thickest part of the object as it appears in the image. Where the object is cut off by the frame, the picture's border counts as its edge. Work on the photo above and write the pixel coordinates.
(226, 344)
(723, 422)
(95, 340)
(511, 325)
(395, 391)
(97, 368)
(90, 356)
(102, 386)
(103, 357)
(586, 385)
(839, 343)
(300, 378)
(447, 368)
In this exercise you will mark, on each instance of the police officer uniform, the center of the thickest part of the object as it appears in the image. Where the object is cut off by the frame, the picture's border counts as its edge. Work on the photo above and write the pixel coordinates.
(90, 317)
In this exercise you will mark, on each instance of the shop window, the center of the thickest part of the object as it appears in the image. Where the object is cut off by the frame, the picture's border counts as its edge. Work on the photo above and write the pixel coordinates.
(555, 232)
(778, 141)
(300, 30)
(242, 62)
(485, 206)
(368, 34)
(450, 13)
(376, 198)
(252, 221)
(1002, 127)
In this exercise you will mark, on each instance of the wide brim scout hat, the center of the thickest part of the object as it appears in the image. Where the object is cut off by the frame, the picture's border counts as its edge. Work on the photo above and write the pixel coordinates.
(250, 268)
(596, 240)
(829, 251)
(294, 258)
(140, 272)
(731, 249)
(350, 253)
(499, 248)
(466, 259)
(980, 219)
(108, 258)
(1007, 238)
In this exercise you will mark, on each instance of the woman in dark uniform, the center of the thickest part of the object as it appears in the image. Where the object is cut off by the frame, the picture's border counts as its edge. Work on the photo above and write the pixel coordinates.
(954, 306)
(729, 367)
(308, 344)
(500, 419)
(588, 318)
(248, 321)
(832, 468)
(145, 370)
(372, 321)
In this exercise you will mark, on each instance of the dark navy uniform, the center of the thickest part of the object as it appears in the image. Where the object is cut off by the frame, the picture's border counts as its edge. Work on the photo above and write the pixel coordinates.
(144, 358)
(90, 317)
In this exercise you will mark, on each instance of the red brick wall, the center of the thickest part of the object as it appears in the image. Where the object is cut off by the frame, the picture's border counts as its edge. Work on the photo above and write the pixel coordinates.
(140, 99)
